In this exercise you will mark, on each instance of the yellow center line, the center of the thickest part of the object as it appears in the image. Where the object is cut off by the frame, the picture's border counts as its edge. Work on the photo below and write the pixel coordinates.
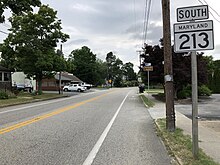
(36, 119)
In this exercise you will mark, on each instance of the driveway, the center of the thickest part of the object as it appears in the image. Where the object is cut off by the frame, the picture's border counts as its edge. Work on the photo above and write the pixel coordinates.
(208, 111)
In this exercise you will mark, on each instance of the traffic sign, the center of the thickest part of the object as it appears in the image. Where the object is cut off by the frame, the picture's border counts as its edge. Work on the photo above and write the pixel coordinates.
(193, 36)
(148, 68)
(192, 13)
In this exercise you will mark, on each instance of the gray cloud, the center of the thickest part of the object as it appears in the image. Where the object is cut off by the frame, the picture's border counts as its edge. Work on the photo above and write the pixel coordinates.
(77, 41)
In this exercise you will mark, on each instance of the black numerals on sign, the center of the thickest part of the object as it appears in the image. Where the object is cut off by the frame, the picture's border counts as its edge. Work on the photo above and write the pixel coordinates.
(194, 42)
(204, 39)
(184, 42)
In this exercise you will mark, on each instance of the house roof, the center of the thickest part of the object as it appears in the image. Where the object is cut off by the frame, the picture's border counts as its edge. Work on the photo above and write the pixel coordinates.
(68, 77)
(4, 69)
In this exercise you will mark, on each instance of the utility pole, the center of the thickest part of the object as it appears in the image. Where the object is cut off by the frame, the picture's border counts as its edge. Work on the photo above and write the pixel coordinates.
(61, 53)
(168, 67)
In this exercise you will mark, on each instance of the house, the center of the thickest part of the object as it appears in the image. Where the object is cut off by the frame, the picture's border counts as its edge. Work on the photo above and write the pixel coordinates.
(5, 78)
(52, 84)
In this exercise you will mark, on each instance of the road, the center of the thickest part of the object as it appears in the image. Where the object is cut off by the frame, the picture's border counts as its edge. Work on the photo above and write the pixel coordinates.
(106, 127)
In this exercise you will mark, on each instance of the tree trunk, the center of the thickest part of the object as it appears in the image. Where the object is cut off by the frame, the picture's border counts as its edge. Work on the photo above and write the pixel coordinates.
(39, 81)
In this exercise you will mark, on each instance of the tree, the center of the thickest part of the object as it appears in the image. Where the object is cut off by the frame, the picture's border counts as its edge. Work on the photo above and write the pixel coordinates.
(31, 43)
(110, 59)
(85, 66)
(101, 72)
(17, 6)
(128, 71)
(117, 73)
(114, 71)
(216, 77)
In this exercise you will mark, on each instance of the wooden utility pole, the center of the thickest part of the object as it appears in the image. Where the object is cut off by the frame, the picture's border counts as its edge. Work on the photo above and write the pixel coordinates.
(168, 67)
(60, 74)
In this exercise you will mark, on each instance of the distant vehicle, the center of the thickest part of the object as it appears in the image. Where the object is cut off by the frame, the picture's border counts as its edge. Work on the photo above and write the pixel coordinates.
(74, 87)
(88, 86)
(23, 87)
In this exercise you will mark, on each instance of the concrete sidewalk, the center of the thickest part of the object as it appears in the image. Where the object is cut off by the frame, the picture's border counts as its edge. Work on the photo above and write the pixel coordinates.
(209, 139)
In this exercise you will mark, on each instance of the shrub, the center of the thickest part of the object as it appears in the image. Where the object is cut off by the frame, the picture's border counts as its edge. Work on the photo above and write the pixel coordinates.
(186, 92)
(3, 95)
(183, 94)
(204, 91)
(10, 94)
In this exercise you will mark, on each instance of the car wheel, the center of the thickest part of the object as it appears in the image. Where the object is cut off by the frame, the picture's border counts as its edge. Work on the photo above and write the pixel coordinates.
(79, 90)
(65, 89)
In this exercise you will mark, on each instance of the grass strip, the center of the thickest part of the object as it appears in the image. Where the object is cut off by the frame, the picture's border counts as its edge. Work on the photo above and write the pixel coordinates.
(146, 101)
(27, 98)
(180, 146)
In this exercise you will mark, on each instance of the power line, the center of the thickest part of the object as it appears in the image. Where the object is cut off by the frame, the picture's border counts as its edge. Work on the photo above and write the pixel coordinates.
(3, 32)
(146, 19)
(210, 11)
(212, 8)
(148, 15)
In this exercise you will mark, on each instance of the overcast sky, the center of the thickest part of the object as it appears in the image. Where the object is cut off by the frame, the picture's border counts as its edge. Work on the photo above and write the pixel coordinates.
(117, 26)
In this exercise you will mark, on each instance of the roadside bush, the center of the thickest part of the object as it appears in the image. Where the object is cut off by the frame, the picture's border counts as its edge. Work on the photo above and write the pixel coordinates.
(7, 95)
(204, 91)
(11, 94)
(3, 95)
(186, 92)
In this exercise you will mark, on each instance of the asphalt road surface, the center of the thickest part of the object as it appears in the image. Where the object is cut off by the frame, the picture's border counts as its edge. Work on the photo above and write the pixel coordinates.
(208, 108)
(108, 127)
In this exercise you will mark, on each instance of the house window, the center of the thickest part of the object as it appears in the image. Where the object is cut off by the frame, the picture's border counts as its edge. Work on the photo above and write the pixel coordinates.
(1, 76)
(6, 76)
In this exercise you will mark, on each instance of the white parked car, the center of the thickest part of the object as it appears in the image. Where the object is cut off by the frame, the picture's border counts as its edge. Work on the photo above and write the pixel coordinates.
(74, 87)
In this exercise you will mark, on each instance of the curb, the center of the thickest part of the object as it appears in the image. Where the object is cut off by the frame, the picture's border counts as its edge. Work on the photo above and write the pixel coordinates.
(176, 159)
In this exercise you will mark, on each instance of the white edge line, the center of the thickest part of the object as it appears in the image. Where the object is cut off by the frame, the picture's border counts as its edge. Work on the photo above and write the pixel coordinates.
(45, 103)
(95, 150)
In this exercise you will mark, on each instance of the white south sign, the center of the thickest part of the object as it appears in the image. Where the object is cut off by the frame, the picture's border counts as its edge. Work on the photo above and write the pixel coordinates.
(192, 13)
(193, 36)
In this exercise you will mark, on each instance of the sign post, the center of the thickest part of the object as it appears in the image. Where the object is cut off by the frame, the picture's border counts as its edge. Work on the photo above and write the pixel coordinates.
(148, 68)
(190, 37)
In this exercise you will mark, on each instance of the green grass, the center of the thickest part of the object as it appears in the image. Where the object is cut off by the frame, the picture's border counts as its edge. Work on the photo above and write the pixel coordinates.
(154, 91)
(147, 101)
(181, 146)
(27, 98)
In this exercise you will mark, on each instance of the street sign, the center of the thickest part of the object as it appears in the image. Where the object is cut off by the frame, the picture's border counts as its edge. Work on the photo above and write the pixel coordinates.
(192, 13)
(148, 68)
(193, 36)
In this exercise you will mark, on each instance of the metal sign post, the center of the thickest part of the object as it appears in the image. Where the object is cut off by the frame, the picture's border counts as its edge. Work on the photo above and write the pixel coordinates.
(148, 80)
(195, 143)
(148, 68)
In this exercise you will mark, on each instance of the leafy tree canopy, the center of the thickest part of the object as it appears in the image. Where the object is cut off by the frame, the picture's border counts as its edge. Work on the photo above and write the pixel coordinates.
(31, 43)
(85, 66)
(17, 6)
(128, 71)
